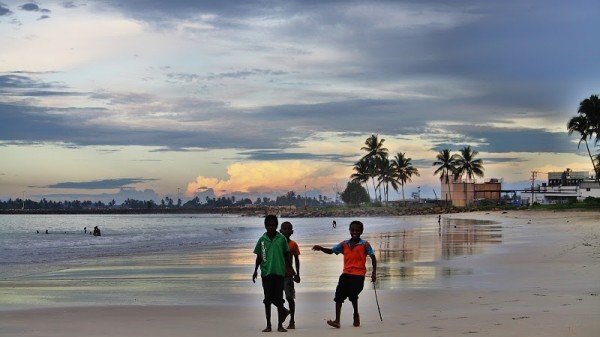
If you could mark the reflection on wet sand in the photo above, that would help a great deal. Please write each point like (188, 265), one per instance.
(420, 256)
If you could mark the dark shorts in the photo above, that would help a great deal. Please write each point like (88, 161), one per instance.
(349, 286)
(273, 289)
(289, 289)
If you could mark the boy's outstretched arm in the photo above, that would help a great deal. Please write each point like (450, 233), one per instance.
(256, 265)
(323, 249)
(374, 272)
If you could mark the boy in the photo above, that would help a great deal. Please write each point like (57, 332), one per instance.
(291, 276)
(352, 280)
(271, 251)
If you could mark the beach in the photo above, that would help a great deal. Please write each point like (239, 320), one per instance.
(539, 278)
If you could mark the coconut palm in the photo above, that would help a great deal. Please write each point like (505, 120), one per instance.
(361, 174)
(385, 175)
(403, 170)
(447, 167)
(375, 149)
(581, 125)
(590, 108)
(467, 164)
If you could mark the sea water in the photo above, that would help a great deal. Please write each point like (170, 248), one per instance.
(191, 258)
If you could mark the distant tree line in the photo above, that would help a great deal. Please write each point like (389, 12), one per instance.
(291, 198)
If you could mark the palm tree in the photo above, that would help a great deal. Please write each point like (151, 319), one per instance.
(590, 108)
(375, 149)
(447, 167)
(403, 170)
(385, 175)
(582, 125)
(361, 174)
(466, 164)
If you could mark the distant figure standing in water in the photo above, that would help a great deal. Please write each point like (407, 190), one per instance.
(97, 231)
(333, 225)
(84, 230)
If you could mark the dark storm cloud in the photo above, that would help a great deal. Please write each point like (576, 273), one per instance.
(30, 7)
(99, 184)
(4, 11)
(465, 62)
(15, 80)
(502, 140)
(276, 155)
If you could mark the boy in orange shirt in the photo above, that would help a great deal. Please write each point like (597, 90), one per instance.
(352, 280)
(291, 276)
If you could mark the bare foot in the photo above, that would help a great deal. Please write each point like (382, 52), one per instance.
(334, 324)
(281, 329)
(267, 329)
(284, 315)
(356, 320)
(292, 325)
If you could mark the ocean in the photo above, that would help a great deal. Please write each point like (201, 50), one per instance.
(190, 259)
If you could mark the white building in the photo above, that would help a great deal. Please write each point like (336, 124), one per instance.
(563, 187)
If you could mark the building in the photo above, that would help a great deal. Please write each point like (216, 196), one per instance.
(464, 193)
(566, 186)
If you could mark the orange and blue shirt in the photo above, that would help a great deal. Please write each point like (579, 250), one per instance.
(355, 258)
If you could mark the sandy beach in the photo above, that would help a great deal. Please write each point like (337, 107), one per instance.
(542, 280)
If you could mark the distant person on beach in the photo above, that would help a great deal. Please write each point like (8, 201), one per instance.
(97, 231)
(333, 224)
(352, 280)
(84, 230)
(271, 251)
(291, 275)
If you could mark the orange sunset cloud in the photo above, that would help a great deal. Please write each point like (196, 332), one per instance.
(271, 177)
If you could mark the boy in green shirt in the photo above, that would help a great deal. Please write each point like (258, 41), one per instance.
(271, 251)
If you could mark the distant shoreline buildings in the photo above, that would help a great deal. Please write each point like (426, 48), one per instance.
(561, 187)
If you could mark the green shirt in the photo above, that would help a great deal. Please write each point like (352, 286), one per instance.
(272, 254)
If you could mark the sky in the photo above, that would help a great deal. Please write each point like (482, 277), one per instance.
(104, 100)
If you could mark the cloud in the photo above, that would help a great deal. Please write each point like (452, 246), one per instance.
(30, 7)
(4, 11)
(119, 197)
(288, 81)
(262, 178)
(33, 7)
(100, 184)
(270, 155)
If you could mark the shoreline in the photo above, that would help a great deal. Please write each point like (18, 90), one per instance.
(542, 282)
(260, 211)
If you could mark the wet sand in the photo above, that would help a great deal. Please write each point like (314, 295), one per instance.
(536, 276)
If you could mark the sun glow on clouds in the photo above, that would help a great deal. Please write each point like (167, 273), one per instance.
(270, 177)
